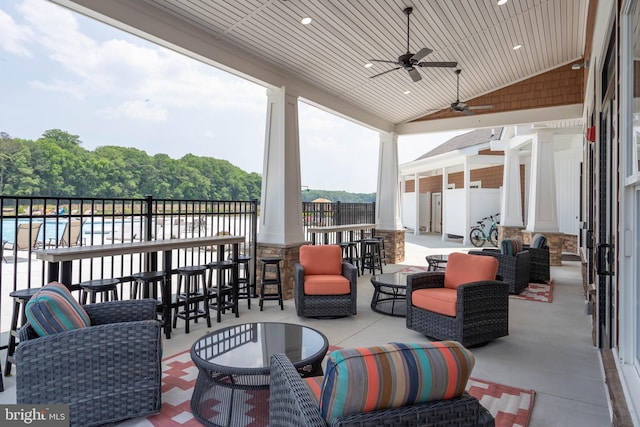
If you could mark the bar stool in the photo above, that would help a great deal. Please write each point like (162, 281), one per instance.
(371, 259)
(104, 287)
(383, 252)
(244, 281)
(220, 290)
(195, 292)
(145, 285)
(271, 264)
(351, 254)
(20, 299)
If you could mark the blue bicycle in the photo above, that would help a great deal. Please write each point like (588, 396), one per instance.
(479, 236)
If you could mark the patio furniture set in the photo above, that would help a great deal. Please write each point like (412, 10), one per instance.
(460, 307)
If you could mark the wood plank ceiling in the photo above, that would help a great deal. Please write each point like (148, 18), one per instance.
(331, 52)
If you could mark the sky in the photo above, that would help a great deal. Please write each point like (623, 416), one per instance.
(62, 70)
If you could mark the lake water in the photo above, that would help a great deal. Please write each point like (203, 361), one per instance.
(92, 226)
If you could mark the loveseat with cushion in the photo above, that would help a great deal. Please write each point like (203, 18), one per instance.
(325, 285)
(103, 360)
(394, 384)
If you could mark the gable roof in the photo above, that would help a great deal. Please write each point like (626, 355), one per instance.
(469, 139)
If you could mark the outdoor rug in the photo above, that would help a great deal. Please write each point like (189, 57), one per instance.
(510, 406)
(541, 292)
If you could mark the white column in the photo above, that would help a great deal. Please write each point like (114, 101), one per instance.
(416, 179)
(543, 215)
(388, 194)
(281, 199)
(511, 202)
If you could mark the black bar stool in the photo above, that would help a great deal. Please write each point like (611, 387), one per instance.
(383, 252)
(272, 265)
(104, 287)
(371, 259)
(244, 281)
(220, 289)
(351, 254)
(145, 285)
(20, 299)
(195, 293)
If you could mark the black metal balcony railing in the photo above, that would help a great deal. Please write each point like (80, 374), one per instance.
(52, 222)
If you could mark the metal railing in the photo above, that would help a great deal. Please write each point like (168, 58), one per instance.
(336, 213)
(31, 223)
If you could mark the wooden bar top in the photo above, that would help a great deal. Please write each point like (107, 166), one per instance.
(339, 228)
(98, 251)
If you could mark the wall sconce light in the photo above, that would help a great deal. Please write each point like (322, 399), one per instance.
(580, 65)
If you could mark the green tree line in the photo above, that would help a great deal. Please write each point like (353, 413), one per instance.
(55, 165)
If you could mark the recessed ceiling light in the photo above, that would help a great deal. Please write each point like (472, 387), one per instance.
(516, 47)
(368, 65)
(306, 20)
(407, 92)
(501, 2)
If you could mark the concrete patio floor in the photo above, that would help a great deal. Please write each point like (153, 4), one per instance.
(549, 347)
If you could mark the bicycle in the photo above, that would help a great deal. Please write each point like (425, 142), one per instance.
(479, 236)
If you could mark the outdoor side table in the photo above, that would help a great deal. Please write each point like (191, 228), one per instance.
(232, 388)
(437, 262)
(390, 294)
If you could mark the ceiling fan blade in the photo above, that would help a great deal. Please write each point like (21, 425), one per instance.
(385, 72)
(467, 112)
(480, 107)
(415, 75)
(421, 54)
(438, 64)
(384, 60)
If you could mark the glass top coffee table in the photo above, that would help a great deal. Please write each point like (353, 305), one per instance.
(390, 294)
(437, 262)
(233, 364)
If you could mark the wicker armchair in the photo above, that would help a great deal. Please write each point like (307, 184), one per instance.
(323, 264)
(107, 372)
(512, 269)
(481, 309)
(291, 404)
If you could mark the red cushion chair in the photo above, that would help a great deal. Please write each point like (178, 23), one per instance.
(464, 303)
(325, 285)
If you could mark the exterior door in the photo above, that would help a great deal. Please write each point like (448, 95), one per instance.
(606, 208)
(436, 212)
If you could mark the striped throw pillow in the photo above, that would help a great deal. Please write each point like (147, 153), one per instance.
(510, 246)
(393, 375)
(53, 309)
(539, 241)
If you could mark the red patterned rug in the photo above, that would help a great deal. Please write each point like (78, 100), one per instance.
(510, 406)
(541, 292)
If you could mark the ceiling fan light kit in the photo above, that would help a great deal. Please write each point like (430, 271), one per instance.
(411, 61)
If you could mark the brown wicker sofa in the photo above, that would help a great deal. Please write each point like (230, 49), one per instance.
(475, 309)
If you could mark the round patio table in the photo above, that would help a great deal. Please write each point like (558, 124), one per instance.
(232, 388)
(390, 294)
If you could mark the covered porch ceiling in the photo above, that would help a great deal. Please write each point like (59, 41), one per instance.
(324, 62)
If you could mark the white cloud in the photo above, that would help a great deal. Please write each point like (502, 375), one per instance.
(14, 37)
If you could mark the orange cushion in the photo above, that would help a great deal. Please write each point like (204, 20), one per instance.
(466, 268)
(324, 284)
(321, 259)
(438, 300)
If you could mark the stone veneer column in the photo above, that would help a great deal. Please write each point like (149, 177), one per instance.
(393, 245)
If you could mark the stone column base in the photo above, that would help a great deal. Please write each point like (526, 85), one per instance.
(289, 254)
(393, 244)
